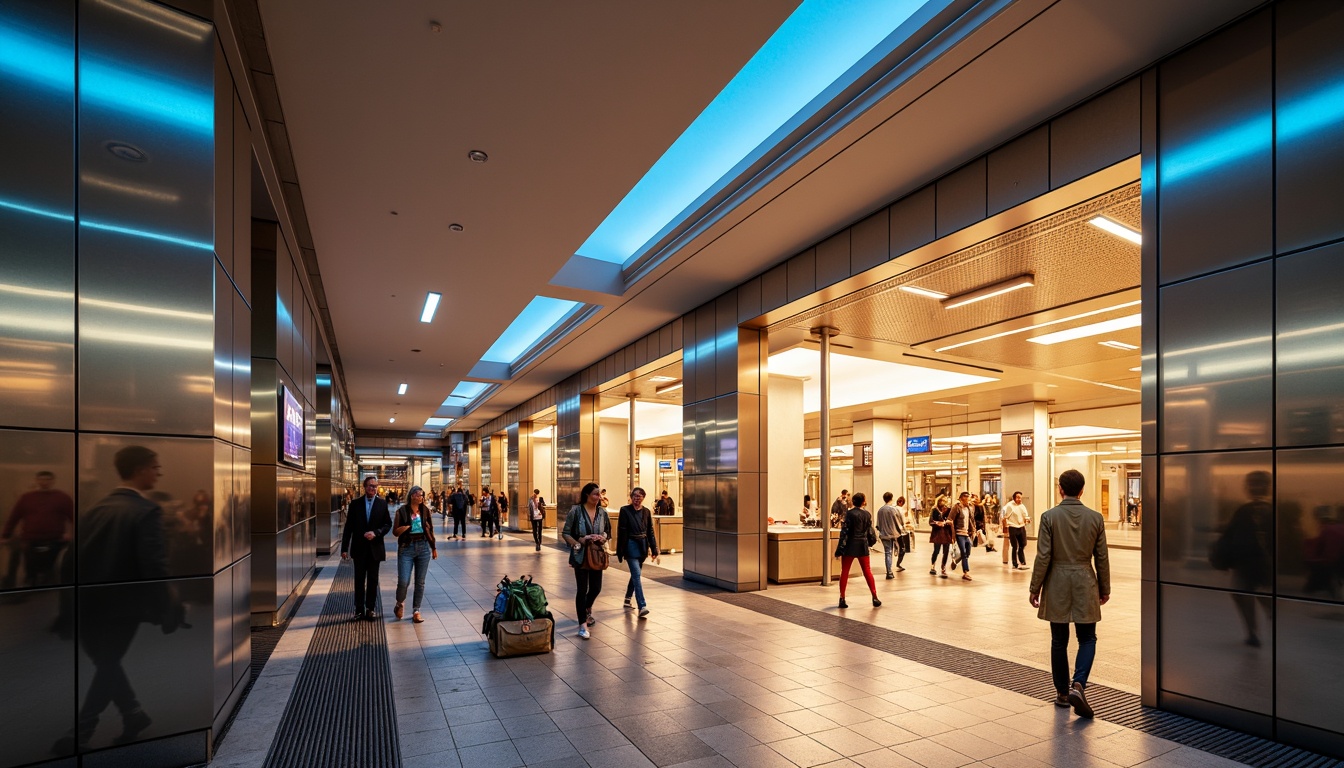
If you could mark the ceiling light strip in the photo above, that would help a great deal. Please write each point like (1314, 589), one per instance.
(431, 306)
(1038, 326)
(989, 291)
(1092, 329)
(1117, 229)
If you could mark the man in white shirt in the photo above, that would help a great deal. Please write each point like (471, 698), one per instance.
(1016, 517)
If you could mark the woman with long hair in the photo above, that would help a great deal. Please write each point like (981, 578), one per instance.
(587, 522)
(854, 534)
(635, 543)
(414, 529)
(941, 535)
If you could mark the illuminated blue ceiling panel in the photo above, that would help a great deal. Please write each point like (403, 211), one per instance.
(813, 52)
(541, 315)
(465, 392)
(438, 422)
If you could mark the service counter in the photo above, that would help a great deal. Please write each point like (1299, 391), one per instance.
(667, 529)
(794, 554)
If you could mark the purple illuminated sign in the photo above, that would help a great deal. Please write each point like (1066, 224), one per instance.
(291, 446)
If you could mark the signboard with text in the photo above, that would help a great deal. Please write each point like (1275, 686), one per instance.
(664, 463)
(919, 444)
(681, 464)
(291, 428)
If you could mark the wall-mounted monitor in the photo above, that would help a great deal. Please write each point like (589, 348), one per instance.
(291, 429)
(919, 444)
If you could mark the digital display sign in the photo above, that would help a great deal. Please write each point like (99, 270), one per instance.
(664, 463)
(917, 444)
(681, 464)
(291, 429)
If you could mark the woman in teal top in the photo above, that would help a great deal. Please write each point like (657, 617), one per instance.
(414, 530)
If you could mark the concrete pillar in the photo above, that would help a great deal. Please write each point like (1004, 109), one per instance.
(785, 479)
(887, 437)
(1030, 476)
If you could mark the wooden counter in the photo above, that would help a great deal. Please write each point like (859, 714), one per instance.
(794, 554)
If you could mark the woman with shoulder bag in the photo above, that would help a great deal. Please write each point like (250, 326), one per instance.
(856, 537)
(941, 535)
(414, 529)
(635, 542)
(587, 527)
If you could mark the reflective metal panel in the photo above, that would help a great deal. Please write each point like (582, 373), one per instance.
(1216, 361)
(705, 352)
(224, 365)
(177, 543)
(242, 618)
(1217, 520)
(1309, 675)
(146, 262)
(706, 436)
(1309, 358)
(691, 446)
(242, 510)
(242, 372)
(37, 230)
(725, 504)
(724, 431)
(1207, 648)
(146, 649)
(37, 508)
(265, 409)
(222, 644)
(1216, 163)
(961, 197)
(1309, 160)
(37, 651)
(1311, 523)
(224, 506)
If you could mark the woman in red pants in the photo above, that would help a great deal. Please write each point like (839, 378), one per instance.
(856, 536)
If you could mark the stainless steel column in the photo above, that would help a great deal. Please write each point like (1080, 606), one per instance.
(825, 333)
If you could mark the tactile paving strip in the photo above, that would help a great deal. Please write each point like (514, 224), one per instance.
(341, 712)
(1109, 704)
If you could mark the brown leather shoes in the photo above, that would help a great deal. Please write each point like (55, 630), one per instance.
(1079, 701)
(400, 610)
(417, 618)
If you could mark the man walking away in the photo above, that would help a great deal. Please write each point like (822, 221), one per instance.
(1071, 538)
(457, 504)
(1016, 518)
(889, 530)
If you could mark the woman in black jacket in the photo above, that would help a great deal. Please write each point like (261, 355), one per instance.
(635, 542)
(941, 535)
(587, 522)
(854, 535)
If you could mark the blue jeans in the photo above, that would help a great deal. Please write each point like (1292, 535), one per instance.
(888, 547)
(1059, 654)
(633, 552)
(964, 544)
(416, 554)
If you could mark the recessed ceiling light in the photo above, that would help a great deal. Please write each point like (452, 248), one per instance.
(401, 390)
(1136, 369)
(456, 227)
(1047, 323)
(946, 402)
(923, 292)
(990, 291)
(392, 420)
(477, 156)
(431, 304)
(1118, 345)
(1116, 228)
(662, 378)
(1091, 329)
(668, 388)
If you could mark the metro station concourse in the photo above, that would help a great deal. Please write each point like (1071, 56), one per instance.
(741, 254)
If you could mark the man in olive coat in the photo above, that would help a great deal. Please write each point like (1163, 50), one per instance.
(1071, 538)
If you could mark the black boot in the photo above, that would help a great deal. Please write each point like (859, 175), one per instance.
(843, 604)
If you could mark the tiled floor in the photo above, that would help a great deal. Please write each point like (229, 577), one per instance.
(703, 683)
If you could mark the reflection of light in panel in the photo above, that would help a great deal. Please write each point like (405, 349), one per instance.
(856, 380)
(149, 193)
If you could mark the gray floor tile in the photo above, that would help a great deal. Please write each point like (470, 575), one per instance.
(499, 754)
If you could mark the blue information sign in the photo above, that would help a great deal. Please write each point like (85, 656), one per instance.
(917, 444)
(664, 463)
(681, 464)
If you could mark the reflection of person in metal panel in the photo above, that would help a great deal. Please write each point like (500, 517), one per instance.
(44, 519)
(1245, 547)
(121, 539)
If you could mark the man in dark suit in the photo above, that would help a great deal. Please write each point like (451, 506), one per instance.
(366, 523)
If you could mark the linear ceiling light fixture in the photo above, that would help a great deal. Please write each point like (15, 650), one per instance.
(1091, 329)
(668, 388)
(1116, 228)
(923, 292)
(401, 390)
(989, 291)
(1118, 345)
(431, 306)
(1047, 323)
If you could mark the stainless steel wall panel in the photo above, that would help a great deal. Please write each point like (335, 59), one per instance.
(169, 673)
(265, 408)
(752, 349)
(775, 288)
(725, 556)
(224, 219)
(222, 644)
(870, 242)
(748, 433)
(1309, 358)
(242, 200)
(750, 514)
(242, 624)
(183, 493)
(1217, 520)
(36, 557)
(1310, 524)
(1216, 164)
(265, 489)
(1150, 540)
(284, 307)
(1205, 653)
(690, 443)
(1309, 674)
(749, 300)
(689, 360)
(706, 439)
(723, 433)
(961, 198)
(725, 509)
(225, 506)
(1099, 133)
(1150, 393)
(146, 235)
(725, 344)
(802, 274)
(705, 351)
(242, 508)
(37, 229)
(833, 259)
(37, 649)
(1309, 159)
(913, 220)
(1217, 360)
(264, 237)
(242, 371)
(1019, 170)
(223, 355)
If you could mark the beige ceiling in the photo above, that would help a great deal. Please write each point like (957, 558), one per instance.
(573, 102)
